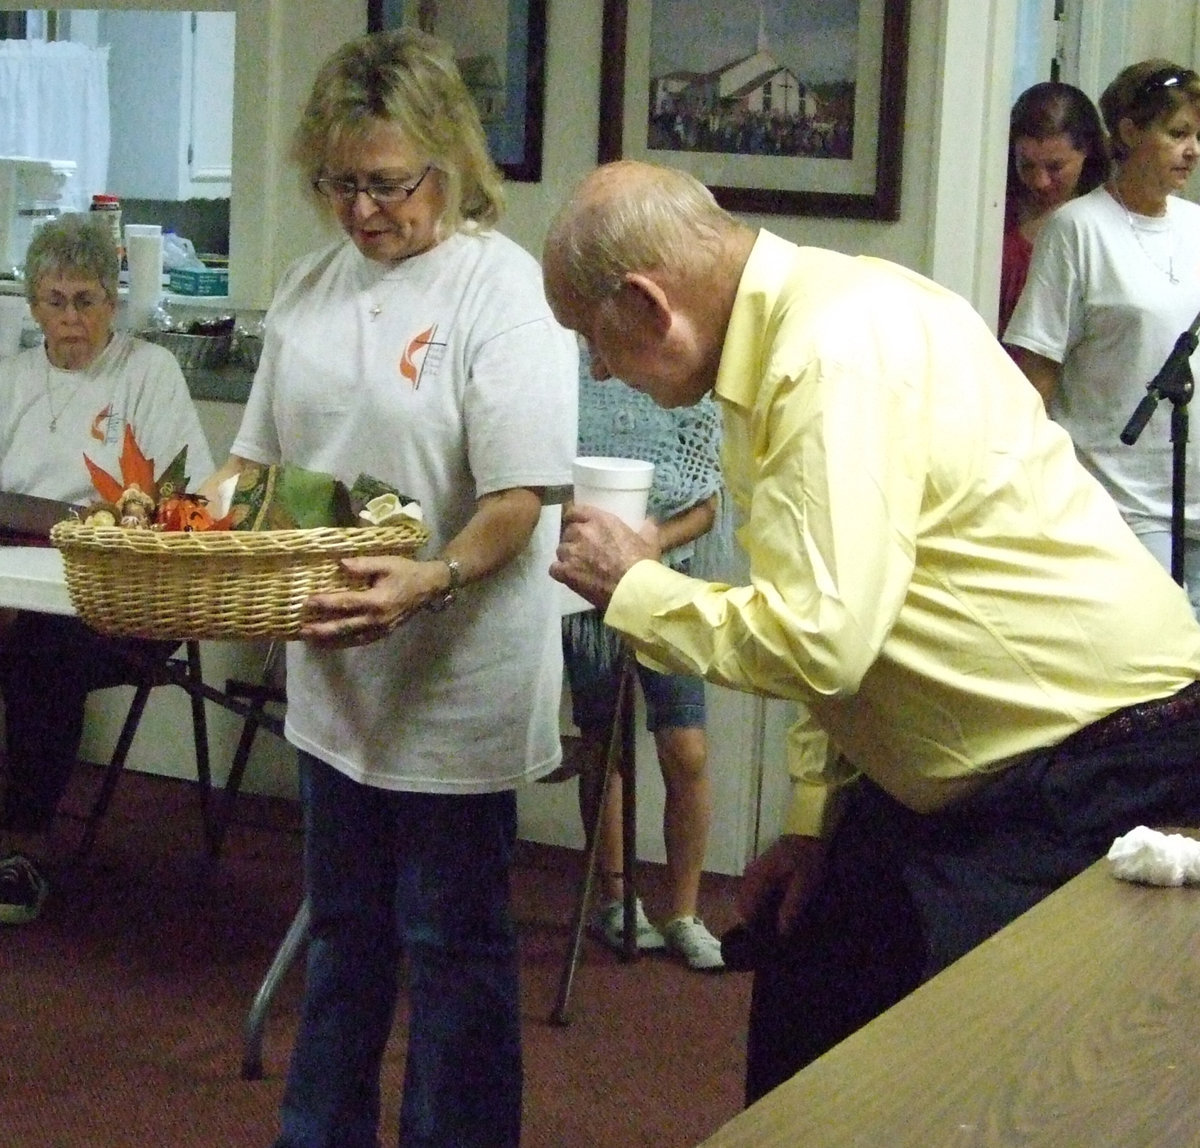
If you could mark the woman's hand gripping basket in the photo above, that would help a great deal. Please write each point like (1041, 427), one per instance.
(213, 584)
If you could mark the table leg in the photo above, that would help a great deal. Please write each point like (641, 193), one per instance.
(284, 956)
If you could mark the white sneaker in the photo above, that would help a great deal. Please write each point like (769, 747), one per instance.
(608, 925)
(688, 938)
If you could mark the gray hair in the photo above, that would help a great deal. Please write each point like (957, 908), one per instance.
(406, 78)
(72, 245)
(643, 218)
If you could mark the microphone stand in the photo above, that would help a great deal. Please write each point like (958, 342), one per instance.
(1174, 382)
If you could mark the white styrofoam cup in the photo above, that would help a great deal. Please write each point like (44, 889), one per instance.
(619, 485)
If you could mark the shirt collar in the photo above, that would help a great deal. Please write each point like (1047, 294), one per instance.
(740, 372)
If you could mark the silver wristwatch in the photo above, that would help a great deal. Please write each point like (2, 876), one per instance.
(438, 604)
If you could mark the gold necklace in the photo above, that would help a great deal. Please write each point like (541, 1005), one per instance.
(1169, 270)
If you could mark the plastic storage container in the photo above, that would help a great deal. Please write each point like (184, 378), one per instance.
(108, 208)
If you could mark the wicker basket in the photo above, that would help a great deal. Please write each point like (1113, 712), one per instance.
(193, 352)
(212, 584)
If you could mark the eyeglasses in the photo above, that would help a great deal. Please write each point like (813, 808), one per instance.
(1163, 79)
(84, 302)
(382, 192)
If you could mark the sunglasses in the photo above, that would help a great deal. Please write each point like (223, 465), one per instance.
(1163, 80)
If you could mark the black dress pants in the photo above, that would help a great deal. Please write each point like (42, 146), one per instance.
(48, 665)
(905, 894)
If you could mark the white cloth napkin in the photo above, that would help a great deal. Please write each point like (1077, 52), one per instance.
(222, 498)
(387, 510)
(1153, 858)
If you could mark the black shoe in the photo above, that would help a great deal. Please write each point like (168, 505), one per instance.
(746, 948)
(22, 890)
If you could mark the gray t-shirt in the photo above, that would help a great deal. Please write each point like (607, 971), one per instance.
(448, 377)
(131, 382)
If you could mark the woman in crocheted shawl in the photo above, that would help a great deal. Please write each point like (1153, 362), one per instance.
(683, 444)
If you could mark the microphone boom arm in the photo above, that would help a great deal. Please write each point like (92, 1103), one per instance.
(1173, 381)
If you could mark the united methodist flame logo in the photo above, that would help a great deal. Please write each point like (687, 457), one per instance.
(100, 424)
(413, 361)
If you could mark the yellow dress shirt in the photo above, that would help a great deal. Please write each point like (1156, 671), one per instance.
(932, 573)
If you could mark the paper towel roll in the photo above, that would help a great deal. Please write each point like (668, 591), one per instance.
(144, 253)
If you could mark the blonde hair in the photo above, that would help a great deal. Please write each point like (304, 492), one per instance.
(634, 217)
(1146, 92)
(408, 79)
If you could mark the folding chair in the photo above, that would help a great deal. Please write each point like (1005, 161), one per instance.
(145, 676)
(257, 695)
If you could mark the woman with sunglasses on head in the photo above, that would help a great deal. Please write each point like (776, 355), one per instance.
(417, 348)
(75, 393)
(1114, 282)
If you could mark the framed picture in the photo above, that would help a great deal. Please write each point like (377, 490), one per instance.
(500, 46)
(791, 107)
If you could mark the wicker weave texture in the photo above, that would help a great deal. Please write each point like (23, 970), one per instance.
(212, 584)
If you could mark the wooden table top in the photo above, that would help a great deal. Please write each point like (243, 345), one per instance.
(1076, 1026)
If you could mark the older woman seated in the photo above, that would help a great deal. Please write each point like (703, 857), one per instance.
(74, 394)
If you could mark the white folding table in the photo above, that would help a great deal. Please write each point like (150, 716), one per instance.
(32, 578)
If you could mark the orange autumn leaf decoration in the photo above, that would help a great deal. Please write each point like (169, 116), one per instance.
(173, 509)
(189, 512)
(136, 468)
(106, 486)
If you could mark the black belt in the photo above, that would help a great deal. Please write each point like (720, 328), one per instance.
(1133, 722)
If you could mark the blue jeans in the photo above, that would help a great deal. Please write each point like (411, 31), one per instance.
(423, 876)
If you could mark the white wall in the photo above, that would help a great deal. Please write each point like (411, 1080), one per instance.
(278, 80)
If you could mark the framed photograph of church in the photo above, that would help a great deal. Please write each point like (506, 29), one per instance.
(500, 46)
(790, 107)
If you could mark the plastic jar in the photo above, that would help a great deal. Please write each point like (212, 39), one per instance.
(108, 207)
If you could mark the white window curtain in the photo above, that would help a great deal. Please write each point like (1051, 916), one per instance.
(54, 105)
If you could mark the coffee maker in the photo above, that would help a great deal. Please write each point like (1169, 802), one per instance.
(32, 191)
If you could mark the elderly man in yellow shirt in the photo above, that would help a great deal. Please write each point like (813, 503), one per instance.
(956, 603)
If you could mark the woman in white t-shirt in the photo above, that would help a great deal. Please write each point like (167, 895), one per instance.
(74, 394)
(1114, 282)
(419, 349)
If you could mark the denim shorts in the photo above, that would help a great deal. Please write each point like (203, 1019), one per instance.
(591, 654)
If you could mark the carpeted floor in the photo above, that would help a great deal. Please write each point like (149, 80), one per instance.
(121, 1008)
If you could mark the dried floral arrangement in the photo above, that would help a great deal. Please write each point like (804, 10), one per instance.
(260, 498)
(141, 501)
